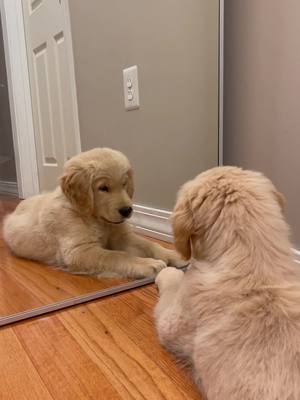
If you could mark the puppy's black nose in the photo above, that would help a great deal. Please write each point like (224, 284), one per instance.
(125, 211)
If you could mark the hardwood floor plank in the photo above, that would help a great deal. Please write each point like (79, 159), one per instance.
(88, 352)
(107, 350)
(67, 371)
(135, 318)
(19, 380)
(143, 367)
(14, 296)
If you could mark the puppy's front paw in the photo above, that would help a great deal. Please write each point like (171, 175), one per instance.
(168, 277)
(173, 259)
(151, 267)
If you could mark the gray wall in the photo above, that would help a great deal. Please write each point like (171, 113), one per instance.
(173, 136)
(7, 168)
(262, 93)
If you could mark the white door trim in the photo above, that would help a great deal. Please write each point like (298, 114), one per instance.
(20, 98)
(72, 74)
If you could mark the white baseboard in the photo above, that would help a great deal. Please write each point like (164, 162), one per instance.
(9, 188)
(152, 222)
(297, 255)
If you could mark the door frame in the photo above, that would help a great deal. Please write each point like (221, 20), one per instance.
(20, 96)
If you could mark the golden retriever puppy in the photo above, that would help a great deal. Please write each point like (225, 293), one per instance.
(234, 316)
(82, 226)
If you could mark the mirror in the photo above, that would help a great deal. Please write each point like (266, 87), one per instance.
(138, 77)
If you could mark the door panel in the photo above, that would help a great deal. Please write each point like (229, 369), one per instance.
(52, 88)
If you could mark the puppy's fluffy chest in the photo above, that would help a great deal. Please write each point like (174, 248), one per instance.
(106, 234)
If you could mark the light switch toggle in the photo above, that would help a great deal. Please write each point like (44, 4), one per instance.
(131, 88)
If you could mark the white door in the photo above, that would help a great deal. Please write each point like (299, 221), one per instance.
(52, 83)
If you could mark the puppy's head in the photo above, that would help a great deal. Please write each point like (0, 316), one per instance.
(218, 204)
(99, 182)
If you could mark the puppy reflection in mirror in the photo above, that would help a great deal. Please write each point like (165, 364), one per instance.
(234, 316)
(82, 225)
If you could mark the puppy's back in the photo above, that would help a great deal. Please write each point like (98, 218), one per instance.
(250, 349)
(24, 232)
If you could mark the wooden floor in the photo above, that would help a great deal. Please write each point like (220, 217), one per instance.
(106, 349)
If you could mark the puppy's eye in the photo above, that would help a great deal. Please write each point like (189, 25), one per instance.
(104, 188)
(124, 184)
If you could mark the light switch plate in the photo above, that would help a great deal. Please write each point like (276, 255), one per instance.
(131, 88)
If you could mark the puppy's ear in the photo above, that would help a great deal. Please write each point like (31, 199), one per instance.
(130, 186)
(76, 184)
(182, 223)
(279, 198)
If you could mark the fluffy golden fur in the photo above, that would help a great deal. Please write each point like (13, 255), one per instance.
(79, 225)
(234, 316)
